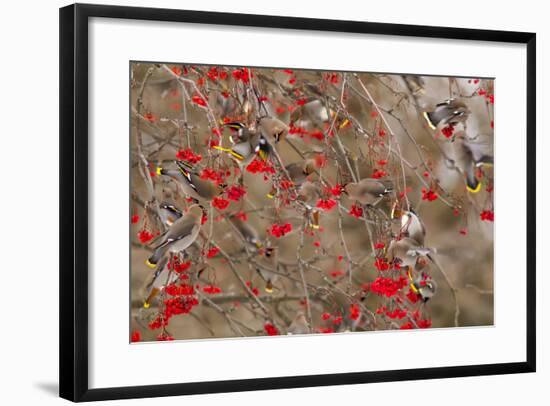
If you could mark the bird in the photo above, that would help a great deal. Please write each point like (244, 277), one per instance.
(423, 286)
(311, 111)
(157, 282)
(308, 193)
(367, 191)
(413, 227)
(299, 325)
(451, 111)
(191, 183)
(298, 172)
(179, 236)
(246, 145)
(248, 233)
(272, 128)
(406, 251)
(169, 213)
(468, 155)
(269, 261)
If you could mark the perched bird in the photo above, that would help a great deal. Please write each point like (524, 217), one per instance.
(272, 128)
(299, 325)
(451, 111)
(298, 172)
(367, 191)
(169, 213)
(191, 183)
(468, 155)
(308, 193)
(246, 144)
(406, 252)
(269, 261)
(248, 233)
(413, 227)
(160, 279)
(423, 286)
(179, 236)
(239, 132)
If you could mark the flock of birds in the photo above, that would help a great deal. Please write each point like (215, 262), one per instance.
(258, 141)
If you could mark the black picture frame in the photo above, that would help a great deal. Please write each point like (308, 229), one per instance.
(74, 201)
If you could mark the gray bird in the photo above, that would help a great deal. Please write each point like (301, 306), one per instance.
(413, 227)
(272, 128)
(159, 279)
(179, 236)
(298, 172)
(367, 191)
(299, 325)
(248, 233)
(191, 183)
(406, 252)
(423, 287)
(468, 155)
(451, 111)
(246, 145)
(169, 213)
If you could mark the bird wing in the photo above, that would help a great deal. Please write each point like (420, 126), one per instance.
(181, 228)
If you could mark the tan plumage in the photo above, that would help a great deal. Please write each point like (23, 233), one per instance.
(179, 236)
(413, 227)
(308, 193)
(450, 111)
(249, 233)
(191, 183)
(367, 191)
(272, 128)
(468, 155)
(169, 213)
(406, 251)
(299, 325)
(269, 262)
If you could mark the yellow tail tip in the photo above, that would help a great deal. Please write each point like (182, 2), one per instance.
(425, 114)
(413, 288)
(146, 305)
(315, 226)
(159, 171)
(270, 196)
(269, 289)
(474, 190)
(150, 264)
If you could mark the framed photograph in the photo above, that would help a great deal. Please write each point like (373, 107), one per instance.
(256, 202)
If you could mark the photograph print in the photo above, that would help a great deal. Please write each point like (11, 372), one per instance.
(275, 202)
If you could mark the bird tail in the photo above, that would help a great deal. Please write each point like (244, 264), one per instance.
(472, 183)
(269, 286)
(154, 259)
(147, 303)
(429, 120)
